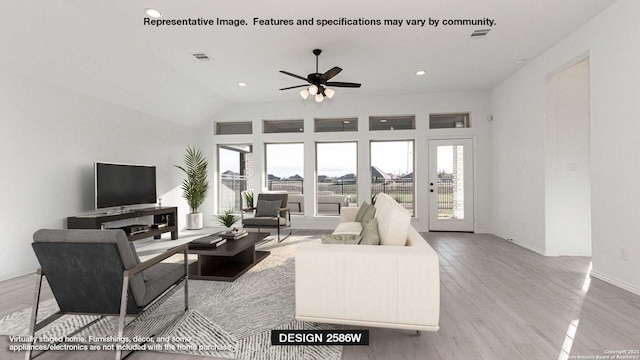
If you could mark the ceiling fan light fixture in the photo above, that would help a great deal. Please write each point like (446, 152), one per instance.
(329, 92)
(317, 83)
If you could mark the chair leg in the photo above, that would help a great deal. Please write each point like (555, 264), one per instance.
(123, 314)
(34, 313)
(281, 240)
(186, 281)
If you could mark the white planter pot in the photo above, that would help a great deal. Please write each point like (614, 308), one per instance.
(195, 221)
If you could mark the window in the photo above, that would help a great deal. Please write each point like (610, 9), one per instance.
(392, 171)
(229, 128)
(285, 172)
(235, 168)
(336, 125)
(446, 121)
(392, 122)
(336, 169)
(282, 126)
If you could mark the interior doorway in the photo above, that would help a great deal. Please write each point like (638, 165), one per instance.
(567, 159)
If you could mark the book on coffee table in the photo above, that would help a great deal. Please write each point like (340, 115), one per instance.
(218, 243)
(234, 235)
(209, 240)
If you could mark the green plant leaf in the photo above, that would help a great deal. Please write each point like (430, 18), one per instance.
(195, 186)
(227, 218)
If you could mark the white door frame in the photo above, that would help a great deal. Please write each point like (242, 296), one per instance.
(473, 140)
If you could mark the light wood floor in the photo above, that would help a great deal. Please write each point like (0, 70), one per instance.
(498, 301)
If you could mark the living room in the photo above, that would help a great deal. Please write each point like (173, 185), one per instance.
(84, 83)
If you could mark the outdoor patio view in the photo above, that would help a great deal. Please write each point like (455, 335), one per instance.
(392, 172)
(336, 169)
(236, 170)
(285, 170)
(450, 190)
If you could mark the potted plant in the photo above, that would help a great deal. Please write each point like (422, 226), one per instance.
(248, 198)
(227, 218)
(195, 185)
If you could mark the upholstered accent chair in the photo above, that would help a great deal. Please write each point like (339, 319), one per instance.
(271, 211)
(98, 272)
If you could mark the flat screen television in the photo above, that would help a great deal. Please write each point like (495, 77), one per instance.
(122, 184)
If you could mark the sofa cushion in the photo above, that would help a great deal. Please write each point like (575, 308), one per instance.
(348, 228)
(370, 234)
(393, 221)
(369, 214)
(341, 239)
(159, 277)
(361, 211)
(268, 208)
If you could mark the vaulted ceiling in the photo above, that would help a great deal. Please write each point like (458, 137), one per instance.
(103, 49)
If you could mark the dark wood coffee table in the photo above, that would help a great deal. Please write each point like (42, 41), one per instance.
(228, 261)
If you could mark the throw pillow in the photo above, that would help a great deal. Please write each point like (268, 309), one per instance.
(361, 211)
(369, 214)
(348, 239)
(268, 208)
(370, 234)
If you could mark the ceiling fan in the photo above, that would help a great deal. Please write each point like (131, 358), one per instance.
(319, 83)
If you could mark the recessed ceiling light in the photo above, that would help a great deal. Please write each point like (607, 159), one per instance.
(346, 122)
(421, 72)
(242, 84)
(383, 120)
(153, 13)
(522, 61)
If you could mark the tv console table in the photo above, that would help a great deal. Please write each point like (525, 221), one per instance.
(164, 215)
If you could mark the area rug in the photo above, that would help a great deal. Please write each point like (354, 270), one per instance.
(226, 320)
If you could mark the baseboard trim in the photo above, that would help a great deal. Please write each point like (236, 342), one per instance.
(526, 246)
(16, 274)
(535, 249)
(615, 282)
(583, 254)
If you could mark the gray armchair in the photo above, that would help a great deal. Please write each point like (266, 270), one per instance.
(271, 211)
(98, 272)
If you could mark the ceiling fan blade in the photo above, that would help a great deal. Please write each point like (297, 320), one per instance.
(293, 87)
(343, 84)
(294, 75)
(331, 73)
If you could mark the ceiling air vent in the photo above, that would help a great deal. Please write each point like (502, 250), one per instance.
(201, 56)
(479, 33)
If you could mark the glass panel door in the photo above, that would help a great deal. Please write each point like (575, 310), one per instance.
(451, 185)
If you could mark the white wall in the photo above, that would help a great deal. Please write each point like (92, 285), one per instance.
(362, 107)
(518, 141)
(567, 195)
(49, 141)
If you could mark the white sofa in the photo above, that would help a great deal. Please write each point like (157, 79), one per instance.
(367, 285)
